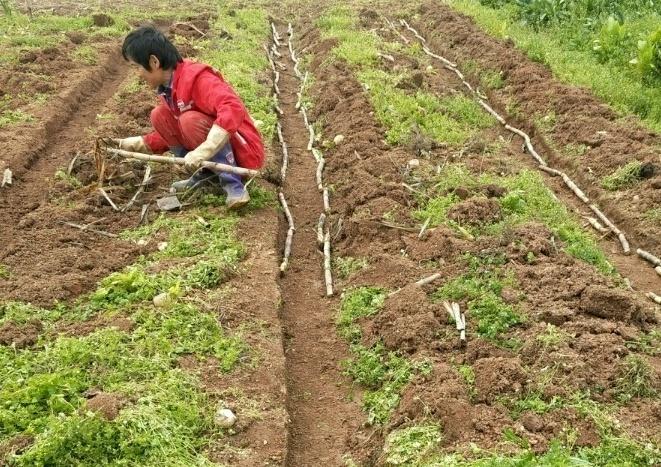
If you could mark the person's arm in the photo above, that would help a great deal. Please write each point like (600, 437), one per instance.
(215, 97)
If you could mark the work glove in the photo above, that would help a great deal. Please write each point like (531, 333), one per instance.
(133, 144)
(216, 140)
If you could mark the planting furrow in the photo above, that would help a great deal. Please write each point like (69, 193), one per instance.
(320, 418)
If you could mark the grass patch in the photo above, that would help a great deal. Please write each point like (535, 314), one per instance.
(12, 117)
(358, 48)
(384, 374)
(241, 58)
(4, 272)
(85, 54)
(567, 46)
(552, 337)
(624, 177)
(346, 266)
(358, 303)
(635, 379)
(444, 119)
(69, 179)
(411, 445)
(481, 287)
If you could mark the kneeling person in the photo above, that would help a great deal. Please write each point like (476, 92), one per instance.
(200, 117)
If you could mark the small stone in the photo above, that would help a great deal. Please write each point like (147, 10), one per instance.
(636, 198)
(414, 163)
(142, 242)
(338, 139)
(224, 418)
(161, 300)
(429, 69)
(162, 246)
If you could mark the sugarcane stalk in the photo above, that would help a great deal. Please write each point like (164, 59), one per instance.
(326, 198)
(654, 297)
(327, 264)
(320, 171)
(290, 232)
(320, 229)
(621, 237)
(180, 161)
(647, 256)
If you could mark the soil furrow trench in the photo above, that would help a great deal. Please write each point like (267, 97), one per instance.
(320, 417)
(50, 261)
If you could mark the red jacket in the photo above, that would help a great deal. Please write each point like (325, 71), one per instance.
(196, 86)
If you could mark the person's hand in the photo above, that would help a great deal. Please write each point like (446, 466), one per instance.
(133, 144)
(216, 139)
(193, 160)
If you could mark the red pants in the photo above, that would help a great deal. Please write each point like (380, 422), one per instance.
(189, 131)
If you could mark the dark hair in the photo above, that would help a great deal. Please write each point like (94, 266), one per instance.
(146, 41)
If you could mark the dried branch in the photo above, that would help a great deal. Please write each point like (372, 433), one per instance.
(424, 227)
(320, 229)
(614, 229)
(110, 201)
(654, 297)
(320, 171)
(326, 197)
(327, 264)
(290, 232)
(86, 228)
(141, 188)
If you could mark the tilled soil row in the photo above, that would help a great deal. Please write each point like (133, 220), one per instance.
(320, 417)
(557, 289)
(610, 141)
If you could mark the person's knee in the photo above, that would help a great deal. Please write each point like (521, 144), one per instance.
(195, 127)
(160, 117)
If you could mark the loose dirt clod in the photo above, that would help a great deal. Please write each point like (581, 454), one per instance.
(102, 20)
(106, 404)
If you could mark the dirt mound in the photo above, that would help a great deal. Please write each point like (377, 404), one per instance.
(608, 303)
(14, 445)
(102, 20)
(20, 336)
(106, 404)
(84, 328)
(497, 376)
(439, 243)
(408, 322)
(476, 211)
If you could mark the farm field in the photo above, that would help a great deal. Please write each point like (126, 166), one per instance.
(450, 257)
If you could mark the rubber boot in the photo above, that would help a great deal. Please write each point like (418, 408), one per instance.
(232, 184)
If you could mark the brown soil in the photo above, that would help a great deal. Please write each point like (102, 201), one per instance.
(321, 418)
(20, 336)
(14, 445)
(105, 404)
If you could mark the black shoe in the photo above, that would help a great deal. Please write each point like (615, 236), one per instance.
(200, 178)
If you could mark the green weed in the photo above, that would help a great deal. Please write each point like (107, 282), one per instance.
(527, 200)
(446, 119)
(649, 343)
(552, 337)
(356, 47)
(481, 288)
(85, 54)
(11, 117)
(634, 379)
(410, 446)
(4, 272)
(623, 177)
(358, 303)
(384, 374)
(70, 180)
(346, 266)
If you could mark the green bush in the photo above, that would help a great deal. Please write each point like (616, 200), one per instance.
(648, 61)
(543, 12)
(613, 42)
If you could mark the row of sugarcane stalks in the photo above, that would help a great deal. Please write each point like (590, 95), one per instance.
(323, 231)
(601, 223)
